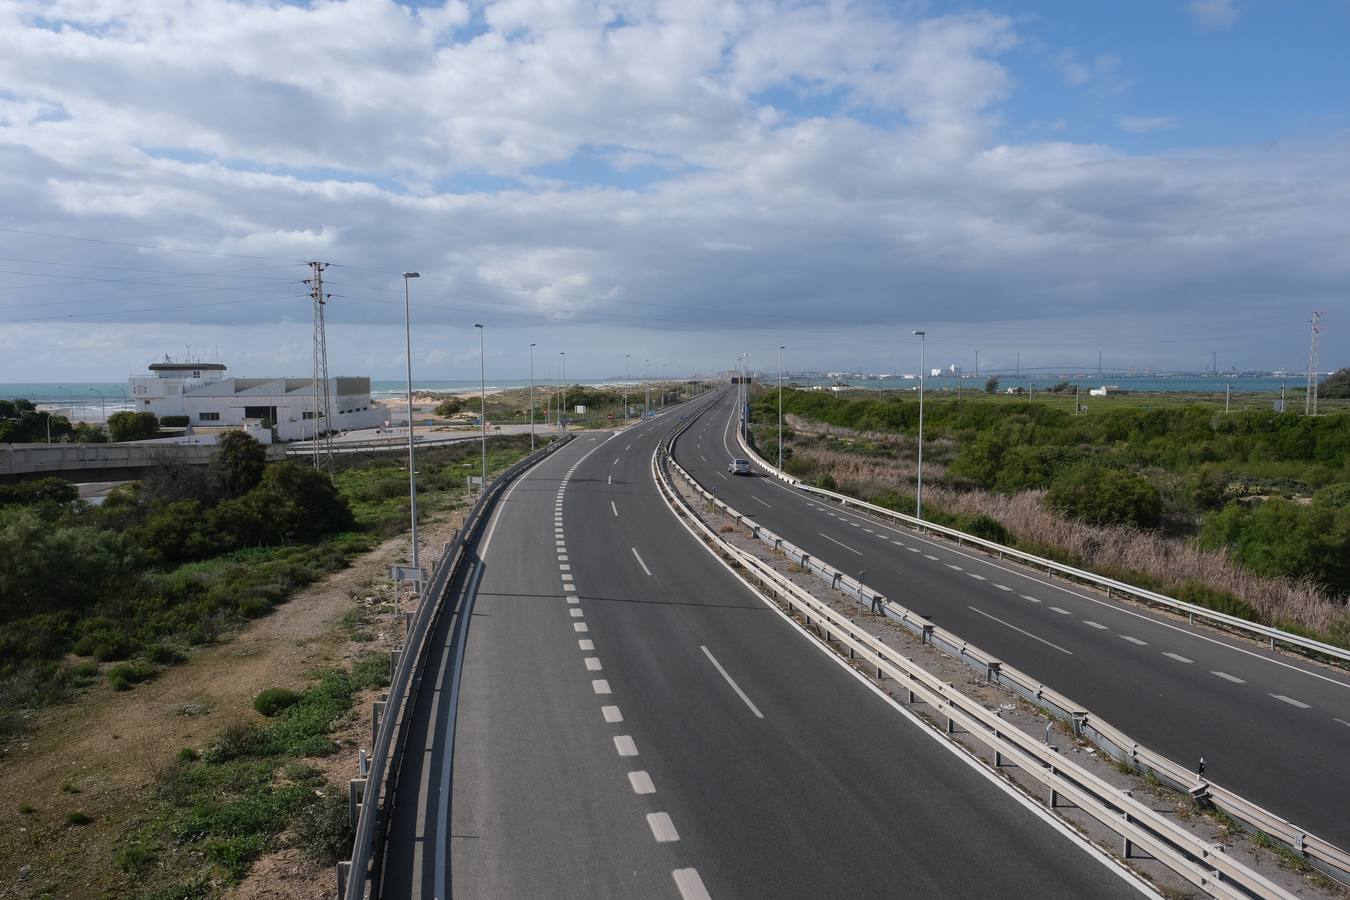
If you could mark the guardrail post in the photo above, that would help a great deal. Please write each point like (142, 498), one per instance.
(344, 873)
(1079, 718)
(356, 793)
(376, 713)
(362, 763)
(992, 669)
(394, 656)
(927, 636)
(834, 582)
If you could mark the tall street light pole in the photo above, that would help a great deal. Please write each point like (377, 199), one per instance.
(625, 387)
(647, 390)
(482, 401)
(71, 396)
(923, 374)
(562, 411)
(412, 460)
(104, 403)
(781, 348)
(532, 398)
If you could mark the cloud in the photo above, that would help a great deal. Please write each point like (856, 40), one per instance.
(1145, 124)
(1077, 72)
(1213, 14)
(682, 180)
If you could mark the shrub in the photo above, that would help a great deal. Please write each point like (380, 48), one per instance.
(135, 859)
(1103, 496)
(77, 817)
(1215, 599)
(123, 675)
(238, 463)
(989, 528)
(41, 490)
(133, 426)
(174, 421)
(236, 741)
(27, 808)
(447, 408)
(274, 700)
(187, 755)
(322, 832)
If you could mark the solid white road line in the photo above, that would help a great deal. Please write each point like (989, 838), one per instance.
(1178, 657)
(690, 885)
(1343, 722)
(662, 828)
(1134, 640)
(840, 543)
(1291, 701)
(640, 562)
(601, 686)
(625, 745)
(1015, 628)
(734, 686)
(1233, 678)
(641, 782)
(611, 714)
(615, 508)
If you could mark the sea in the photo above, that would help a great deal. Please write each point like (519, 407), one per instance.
(83, 398)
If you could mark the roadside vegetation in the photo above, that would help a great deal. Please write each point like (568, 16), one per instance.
(1247, 512)
(123, 589)
(604, 405)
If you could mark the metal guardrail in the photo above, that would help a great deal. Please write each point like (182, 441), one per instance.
(1326, 856)
(1205, 865)
(1110, 585)
(369, 790)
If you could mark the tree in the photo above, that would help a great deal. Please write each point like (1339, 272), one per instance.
(1278, 537)
(238, 463)
(447, 408)
(132, 426)
(1105, 496)
(1337, 385)
(991, 386)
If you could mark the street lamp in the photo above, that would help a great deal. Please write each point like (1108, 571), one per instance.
(104, 402)
(562, 410)
(532, 398)
(482, 400)
(412, 461)
(647, 390)
(923, 374)
(71, 396)
(625, 387)
(781, 348)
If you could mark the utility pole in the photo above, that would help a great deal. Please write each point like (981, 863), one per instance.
(780, 407)
(1310, 398)
(1227, 396)
(1099, 364)
(1019, 363)
(1214, 362)
(562, 410)
(482, 401)
(412, 461)
(323, 401)
(977, 364)
(923, 375)
(647, 390)
(625, 387)
(532, 398)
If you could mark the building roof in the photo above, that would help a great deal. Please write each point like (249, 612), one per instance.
(191, 367)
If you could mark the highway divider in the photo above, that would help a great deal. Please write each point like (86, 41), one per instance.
(1322, 854)
(370, 790)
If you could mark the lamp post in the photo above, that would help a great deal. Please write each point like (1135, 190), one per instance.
(647, 390)
(71, 396)
(625, 387)
(923, 374)
(412, 461)
(104, 402)
(562, 411)
(781, 348)
(532, 398)
(482, 401)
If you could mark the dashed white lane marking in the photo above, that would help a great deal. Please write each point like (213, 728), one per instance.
(615, 508)
(954, 567)
(580, 626)
(840, 543)
(1226, 677)
(560, 543)
(734, 686)
(759, 501)
(611, 714)
(1134, 640)
(564, 567)
(641, 782)
(723, 475)
(976, 577)
(1022, 631)
(1178, 657)
(1097, 625)
(624, 744)
(1291, 701)
(1343, 722)
(601, 686)
(915, 550)
(1062, 612)
(1002, 587)
(562, 557)
(569, 587)
(1029, 597)
(869, 531)
(930, 556)
(593, 664)
(573, 599)
(609, 479)
(662, 828)
(640, 562)
(565, 576)
(576, 613)
(702, 457)
(586, 644)
(897, 543)
(690, 885)
(629, 447)
(855, 524)
(616, 461)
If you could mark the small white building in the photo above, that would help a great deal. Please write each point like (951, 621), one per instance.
(203, 393)
(1104, 390)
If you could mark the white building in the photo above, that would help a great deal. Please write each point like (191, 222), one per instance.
(201, 392)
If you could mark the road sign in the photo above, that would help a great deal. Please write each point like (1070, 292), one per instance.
(408, 573)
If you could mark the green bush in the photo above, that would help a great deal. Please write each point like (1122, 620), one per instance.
(174, 421)
(134, 859)
(447, 408)
(123, 675)
(1279, 537)
(1215, 599)
(40, 490)
(322, 831)
(1103, 496)
(273, 700)
(133, 426)
(27, 808)
(77, 817)
(989, 528)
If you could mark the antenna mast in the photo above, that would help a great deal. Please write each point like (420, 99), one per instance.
(323, 401)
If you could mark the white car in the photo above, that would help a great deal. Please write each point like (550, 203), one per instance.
(739, 467)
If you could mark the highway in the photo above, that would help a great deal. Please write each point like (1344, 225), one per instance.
(1273, 727)
(634, 722)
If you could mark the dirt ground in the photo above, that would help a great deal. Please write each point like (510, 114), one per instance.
(99, 754)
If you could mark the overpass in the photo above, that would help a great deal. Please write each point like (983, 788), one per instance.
(102, 462)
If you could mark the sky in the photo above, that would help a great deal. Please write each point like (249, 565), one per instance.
(670, 185)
